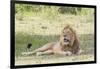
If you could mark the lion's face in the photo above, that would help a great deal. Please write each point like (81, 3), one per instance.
(66, 36)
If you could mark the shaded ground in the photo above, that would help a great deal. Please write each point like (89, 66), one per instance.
(86, 41)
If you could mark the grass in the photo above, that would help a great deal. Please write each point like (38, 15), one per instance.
(86, 41)
(47, 59)
(40, 29)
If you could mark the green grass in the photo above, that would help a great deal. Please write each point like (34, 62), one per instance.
(40, 29)
(37, 41)
(86, 42)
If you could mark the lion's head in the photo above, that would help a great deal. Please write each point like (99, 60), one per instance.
(67, 36)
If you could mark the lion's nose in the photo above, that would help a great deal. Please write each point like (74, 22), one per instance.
(66, 40)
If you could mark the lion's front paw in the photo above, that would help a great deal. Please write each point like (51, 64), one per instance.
(38, 53)
(68, 53)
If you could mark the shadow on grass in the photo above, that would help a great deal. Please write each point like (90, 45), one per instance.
(21, 41)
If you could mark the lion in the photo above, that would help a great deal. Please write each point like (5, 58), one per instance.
(67, 44)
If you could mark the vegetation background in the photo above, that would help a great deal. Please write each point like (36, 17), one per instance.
(40, 24)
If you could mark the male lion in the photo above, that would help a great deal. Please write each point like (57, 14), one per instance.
(68, 44)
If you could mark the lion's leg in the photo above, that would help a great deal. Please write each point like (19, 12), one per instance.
(44, 53)
(65, 53)
(41, 49)
(60, 52)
